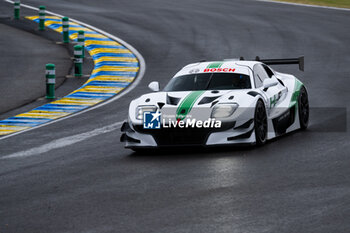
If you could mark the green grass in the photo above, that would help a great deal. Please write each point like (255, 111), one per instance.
(333, 3)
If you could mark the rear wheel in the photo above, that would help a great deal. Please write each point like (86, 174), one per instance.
(303, 107)
(260, 123)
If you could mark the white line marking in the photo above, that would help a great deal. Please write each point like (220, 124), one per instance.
(63, 142)
(117, 96)
(305, 5)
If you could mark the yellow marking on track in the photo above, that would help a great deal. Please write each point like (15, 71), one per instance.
(77, 101)
(75, 35)
(108, 50)
(4, 132)
(95, 35)
(59, 29)
(13, 127)
(98, 42)
(41, 115)
(112, 78)
(49, 112)
(101, 89)
(52, 17)
(32, 17)
(126, 59)
(115, 68)
(73, 24)
(49, 22)
(36, 116)
(46, 17)
(80, 28)
(7, 129)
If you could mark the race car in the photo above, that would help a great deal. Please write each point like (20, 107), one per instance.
(215, 103)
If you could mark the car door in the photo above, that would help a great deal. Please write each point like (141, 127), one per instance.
(273, 94)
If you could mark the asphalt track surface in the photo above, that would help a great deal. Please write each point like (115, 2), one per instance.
(23, 81)
(68, 177)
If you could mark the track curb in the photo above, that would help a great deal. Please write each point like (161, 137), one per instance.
(118, 69)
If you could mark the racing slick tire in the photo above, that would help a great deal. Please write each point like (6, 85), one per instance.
(260, 123)
(303, 108)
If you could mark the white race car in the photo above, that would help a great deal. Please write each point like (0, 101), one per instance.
(219, 103)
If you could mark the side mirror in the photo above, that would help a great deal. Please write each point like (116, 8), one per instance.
(154, 86)
(269, 82)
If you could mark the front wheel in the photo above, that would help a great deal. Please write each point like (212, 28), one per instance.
(260, 123)
(303, 107)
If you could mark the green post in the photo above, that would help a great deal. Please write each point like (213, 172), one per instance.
(81, 41)
(78, 61)
(65, 29)
(17, 6)
(50, 81)
(42, 12)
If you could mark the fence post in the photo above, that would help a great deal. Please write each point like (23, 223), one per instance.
(42, 13)
(81, 41)
(78, 61)
(65, 29)
(50, 81)
(17, 7)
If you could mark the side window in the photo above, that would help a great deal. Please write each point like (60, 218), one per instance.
(259, 75)
(268, 71)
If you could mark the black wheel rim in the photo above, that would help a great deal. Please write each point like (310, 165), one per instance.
(261, 122)
(304, 108)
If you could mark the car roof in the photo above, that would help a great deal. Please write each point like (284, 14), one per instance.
(226, 66)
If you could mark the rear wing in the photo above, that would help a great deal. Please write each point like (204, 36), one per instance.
(284, 61)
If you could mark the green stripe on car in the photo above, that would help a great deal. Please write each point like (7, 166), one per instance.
(187, 104)
(215, 65)
(295, 95)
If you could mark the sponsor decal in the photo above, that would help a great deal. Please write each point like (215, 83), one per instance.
(192, 123)
(274, 99)
(219, 70)
(153, 120)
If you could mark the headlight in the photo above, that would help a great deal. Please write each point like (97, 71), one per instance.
(223, 110)
(145, 108)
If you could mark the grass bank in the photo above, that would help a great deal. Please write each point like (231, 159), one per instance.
(333, 3)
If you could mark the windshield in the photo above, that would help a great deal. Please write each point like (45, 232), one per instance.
(209, 81)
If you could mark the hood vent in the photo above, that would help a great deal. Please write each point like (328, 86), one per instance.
(253, 93)
(172, 100)
(160, 105)
(207, 99)
(213, 103)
